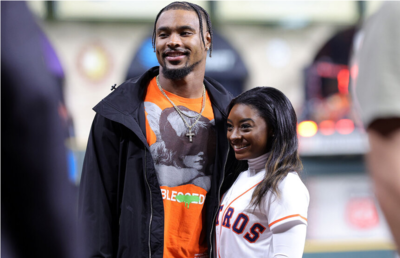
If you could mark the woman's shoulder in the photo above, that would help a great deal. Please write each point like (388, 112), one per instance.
(292, 178)
(292, 185)
(291, 204)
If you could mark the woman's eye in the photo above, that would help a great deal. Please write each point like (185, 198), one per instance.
(245, 126)
(229, 126)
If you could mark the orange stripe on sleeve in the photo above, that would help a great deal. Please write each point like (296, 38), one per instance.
(287, 217)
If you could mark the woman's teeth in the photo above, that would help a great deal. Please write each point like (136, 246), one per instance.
(239, 147)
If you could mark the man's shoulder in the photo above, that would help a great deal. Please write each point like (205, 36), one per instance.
(136, 83)
(130, 93)
(218, 86)
(219, 95)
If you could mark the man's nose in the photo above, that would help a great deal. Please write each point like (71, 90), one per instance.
(174, 41)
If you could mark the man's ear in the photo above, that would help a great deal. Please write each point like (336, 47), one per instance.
(207, 38)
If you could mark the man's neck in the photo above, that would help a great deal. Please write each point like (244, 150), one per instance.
(189, 87)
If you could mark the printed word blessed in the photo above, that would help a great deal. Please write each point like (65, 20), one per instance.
(187, 198)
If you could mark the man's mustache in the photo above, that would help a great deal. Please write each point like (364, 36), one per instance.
(169, 51)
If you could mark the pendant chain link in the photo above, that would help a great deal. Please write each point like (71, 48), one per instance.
(180, 112)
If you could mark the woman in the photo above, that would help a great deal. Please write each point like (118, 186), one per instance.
(264, 212)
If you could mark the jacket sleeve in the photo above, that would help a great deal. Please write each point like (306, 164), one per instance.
(98, 213)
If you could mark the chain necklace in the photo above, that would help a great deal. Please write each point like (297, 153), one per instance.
(180, 112)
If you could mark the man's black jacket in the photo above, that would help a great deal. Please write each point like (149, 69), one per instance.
(120, 203)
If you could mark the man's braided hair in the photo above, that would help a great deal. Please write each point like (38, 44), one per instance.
(201, 13)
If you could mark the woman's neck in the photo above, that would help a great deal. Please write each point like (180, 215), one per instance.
(257, 164)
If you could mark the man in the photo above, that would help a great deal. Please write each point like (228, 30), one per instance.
(150, 184)
(377, 88)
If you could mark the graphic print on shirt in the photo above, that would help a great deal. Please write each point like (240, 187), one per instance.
(183, 168)
(177, 160)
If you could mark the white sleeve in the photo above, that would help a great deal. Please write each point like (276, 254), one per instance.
(289, 242)
(292, 204)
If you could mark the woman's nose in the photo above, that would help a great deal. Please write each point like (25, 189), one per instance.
(234, 135)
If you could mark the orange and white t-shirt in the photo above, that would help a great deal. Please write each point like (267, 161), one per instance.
(183, 168)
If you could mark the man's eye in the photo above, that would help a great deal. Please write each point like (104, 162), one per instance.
(185, 33)
(162, 35)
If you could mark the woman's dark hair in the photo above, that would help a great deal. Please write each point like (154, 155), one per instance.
(277, 111)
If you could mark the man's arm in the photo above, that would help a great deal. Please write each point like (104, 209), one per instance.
(377, 89)
(98, 213)
(384, 165)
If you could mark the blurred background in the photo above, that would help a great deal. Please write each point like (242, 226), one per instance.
(302, 48)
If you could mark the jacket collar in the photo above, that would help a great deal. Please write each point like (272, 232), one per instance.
(124, 104)
(128, 96)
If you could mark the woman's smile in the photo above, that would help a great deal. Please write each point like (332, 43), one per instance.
(239, 148)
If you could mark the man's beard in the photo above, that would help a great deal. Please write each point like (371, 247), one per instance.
(178, 74)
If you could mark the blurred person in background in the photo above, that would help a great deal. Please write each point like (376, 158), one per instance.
(38, 200)
(376, 80)
(150, 184)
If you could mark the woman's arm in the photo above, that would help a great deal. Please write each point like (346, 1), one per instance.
(288, 240)
(287, 215)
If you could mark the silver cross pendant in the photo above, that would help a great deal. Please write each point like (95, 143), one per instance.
(190, 134)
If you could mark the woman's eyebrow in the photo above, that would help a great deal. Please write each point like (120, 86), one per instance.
(246, 119)
(243, 120)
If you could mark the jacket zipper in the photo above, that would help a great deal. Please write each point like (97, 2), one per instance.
(151, 201)
(219, 200)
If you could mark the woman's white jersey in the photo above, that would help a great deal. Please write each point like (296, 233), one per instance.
(242, 231)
